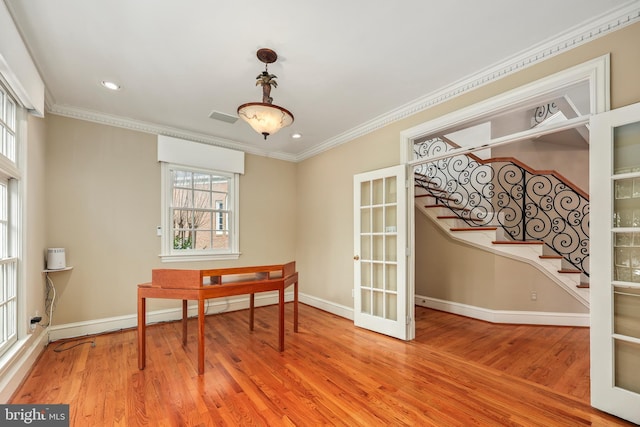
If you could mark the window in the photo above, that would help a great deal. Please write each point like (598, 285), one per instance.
(201, 214)
(8, 201)
(200, 203)
(197, 199)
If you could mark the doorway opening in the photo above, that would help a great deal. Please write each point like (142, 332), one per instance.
(543, 125)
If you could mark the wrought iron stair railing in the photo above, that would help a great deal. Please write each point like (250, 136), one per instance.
(527, 204)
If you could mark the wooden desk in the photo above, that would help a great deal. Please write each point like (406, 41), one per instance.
(201, 285)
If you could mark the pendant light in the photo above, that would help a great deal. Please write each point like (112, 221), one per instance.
(265, 117)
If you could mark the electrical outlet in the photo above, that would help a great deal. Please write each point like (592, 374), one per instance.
(534, 296)
(34, 322)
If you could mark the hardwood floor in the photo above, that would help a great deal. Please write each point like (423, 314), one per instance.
(458, 372)
(556, 357)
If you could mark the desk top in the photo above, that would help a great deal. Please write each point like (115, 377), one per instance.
(199, 279)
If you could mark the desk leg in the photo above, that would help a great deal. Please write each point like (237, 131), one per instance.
(185, 316)
(295, 307)
(251, 307)
(200, 336)
(142, 325)
(281, 318)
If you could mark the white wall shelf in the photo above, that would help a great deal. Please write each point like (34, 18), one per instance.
(57, 269)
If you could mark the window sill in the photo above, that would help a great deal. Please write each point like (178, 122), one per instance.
(198, 257)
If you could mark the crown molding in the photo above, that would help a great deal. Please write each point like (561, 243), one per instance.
(156, 129)
(625, 15)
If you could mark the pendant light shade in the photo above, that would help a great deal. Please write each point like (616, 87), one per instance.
(265, 117)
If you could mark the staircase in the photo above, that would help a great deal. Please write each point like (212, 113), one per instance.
(504, 207)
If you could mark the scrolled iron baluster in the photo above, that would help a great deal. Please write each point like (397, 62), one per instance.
(502, 193)
(543, 112)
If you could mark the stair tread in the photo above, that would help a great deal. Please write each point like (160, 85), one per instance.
(439, 197)
(517, 242)
(569, 271)
(448, 207)
(583, 286)
(457, 217)
(425, 182)
(473, 228)
(551, 257)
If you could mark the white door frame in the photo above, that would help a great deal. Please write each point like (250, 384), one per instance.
(595, 72)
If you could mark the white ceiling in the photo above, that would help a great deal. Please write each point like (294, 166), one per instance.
(342, 64)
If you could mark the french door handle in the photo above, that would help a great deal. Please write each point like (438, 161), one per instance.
(356, 257)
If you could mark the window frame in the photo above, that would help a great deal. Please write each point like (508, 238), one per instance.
(10, 176)
(168, 253)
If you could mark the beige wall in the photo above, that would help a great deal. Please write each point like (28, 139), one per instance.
(35, 214)
(325, 205)
(103, 204)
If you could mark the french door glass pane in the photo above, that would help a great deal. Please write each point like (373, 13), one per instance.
(626, 148)
(626, 257)
(626, 320)
(627, 361)
(378, 304)
(378, 248)
(365, 220)
(378, 276)
(391, 277)
(390, 249)
(626, 204)
(365, 301)
(378, 191)
(391, 195)
(391, 305)
(365, 193)
(365, 274)
(365, 247)
(378, 220)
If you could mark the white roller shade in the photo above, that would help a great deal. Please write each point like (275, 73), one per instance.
(195, 154)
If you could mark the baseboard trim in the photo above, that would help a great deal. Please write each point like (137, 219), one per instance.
(110, 324)
(92, 327)
(331, 307)
(505, 316)
(14, 367)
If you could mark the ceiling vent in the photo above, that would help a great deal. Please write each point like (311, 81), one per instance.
(223, 117)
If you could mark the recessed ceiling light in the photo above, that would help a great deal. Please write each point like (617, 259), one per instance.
(296, 135)
(110, 85)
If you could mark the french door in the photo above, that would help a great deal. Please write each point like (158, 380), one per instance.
(615, 262)
(380, 260)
